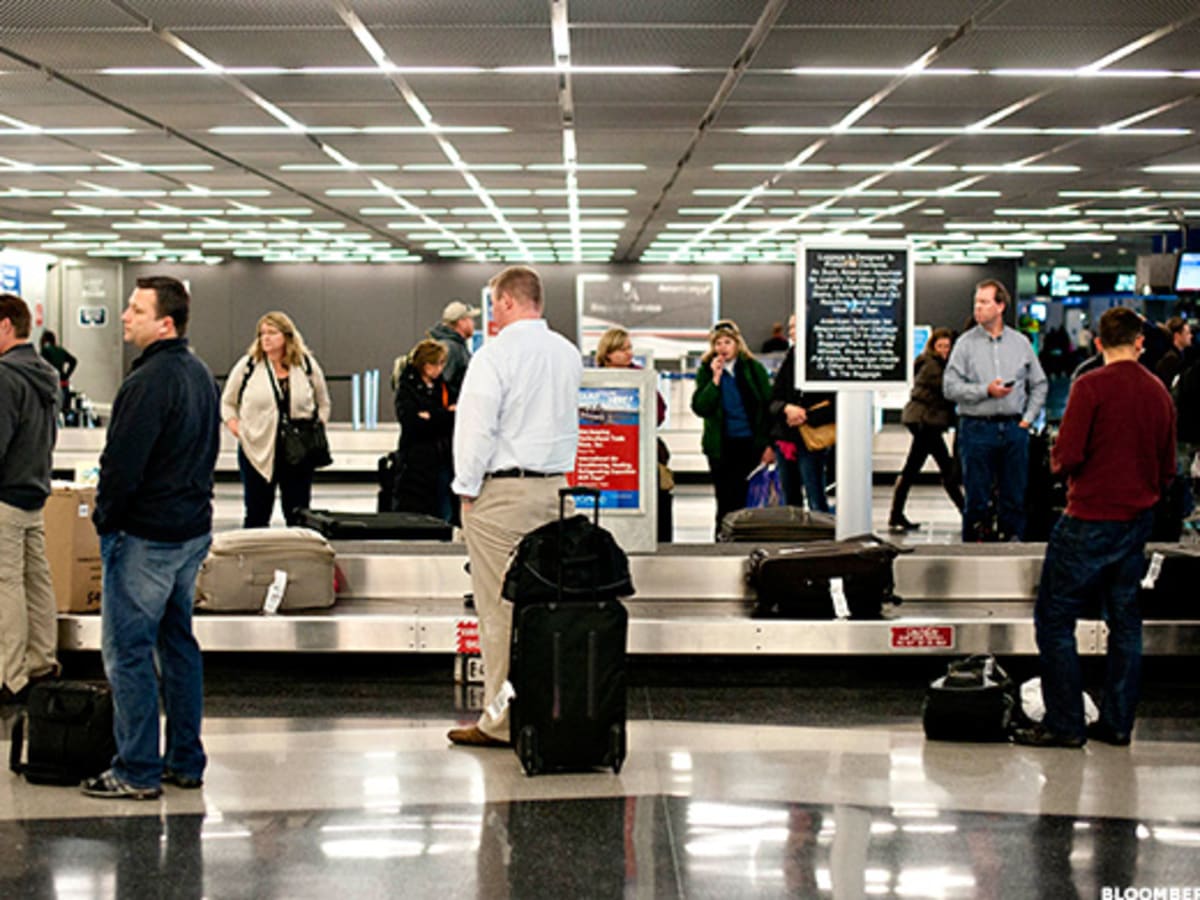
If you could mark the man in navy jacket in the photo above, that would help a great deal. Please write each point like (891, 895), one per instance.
(154, 517)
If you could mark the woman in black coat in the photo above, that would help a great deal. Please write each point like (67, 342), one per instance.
(927, 415)
(425, 410)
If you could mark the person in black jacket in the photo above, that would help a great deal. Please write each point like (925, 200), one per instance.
(425, 411)
(927, 415)
(64, 364)
(154, 517)
(801, 470)
(28, 401)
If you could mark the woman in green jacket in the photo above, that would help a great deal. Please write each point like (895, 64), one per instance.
(732, 393)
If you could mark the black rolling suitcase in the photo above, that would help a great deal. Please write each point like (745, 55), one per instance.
(356, 526)
(1169, 589)
(851, 578)
(567, 657)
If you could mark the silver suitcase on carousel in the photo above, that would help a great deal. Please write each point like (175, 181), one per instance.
(242, 566)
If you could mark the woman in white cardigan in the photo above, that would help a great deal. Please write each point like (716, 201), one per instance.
(276, 373)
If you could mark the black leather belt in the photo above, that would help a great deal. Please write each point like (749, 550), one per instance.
(522, 473)
(995, 418)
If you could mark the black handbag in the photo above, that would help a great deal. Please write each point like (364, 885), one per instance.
(68, 729)
(302, 443)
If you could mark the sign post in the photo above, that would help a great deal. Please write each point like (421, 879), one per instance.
(854, 324)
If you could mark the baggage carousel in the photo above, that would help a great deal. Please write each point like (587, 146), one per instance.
(691, 600)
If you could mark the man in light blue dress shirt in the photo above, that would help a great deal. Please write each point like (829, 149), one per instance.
(515, 435)
(995, 378)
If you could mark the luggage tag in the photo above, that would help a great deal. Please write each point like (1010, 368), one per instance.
(504, 696)
(275, 593)
(837, 592)
(1156, 561)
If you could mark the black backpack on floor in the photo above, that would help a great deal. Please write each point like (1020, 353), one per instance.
(974, 701)
(68, 727)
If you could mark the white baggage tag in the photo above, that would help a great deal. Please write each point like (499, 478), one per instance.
(837, 591)
(275, 593)
(1156, 561)
(504, 696)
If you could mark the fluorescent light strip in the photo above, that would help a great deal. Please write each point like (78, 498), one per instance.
(939, 130)
(1177, 169)
(418, 108)
(348, 166)
(351, 129)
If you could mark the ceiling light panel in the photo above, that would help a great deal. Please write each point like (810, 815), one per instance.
(787, 48)
(1022, 47)
(656, 45)
(76, 51)
(468, 46)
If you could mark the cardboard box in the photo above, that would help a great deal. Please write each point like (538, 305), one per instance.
(73, 548)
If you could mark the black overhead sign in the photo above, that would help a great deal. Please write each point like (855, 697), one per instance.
(854, 316)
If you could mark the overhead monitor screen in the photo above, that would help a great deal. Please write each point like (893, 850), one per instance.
(1187, 276)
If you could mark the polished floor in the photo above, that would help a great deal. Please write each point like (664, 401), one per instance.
(802, 777)
(796, 779)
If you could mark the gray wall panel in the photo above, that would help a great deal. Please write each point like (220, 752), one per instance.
(362, 316)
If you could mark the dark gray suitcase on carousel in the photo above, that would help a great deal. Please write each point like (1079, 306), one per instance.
(776, 524)
(567, 661)
(379, 526)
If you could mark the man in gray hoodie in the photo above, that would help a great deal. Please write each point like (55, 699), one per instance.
(28, 407)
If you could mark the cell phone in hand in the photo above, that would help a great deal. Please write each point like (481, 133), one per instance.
(1010, 383)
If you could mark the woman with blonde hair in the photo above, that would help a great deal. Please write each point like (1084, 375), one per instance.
(277, 379)
(425, 410)
(615, 351)
(732, 395)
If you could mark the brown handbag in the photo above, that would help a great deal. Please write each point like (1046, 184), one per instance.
(820, 437)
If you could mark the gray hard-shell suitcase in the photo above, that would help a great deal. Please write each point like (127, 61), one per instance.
(241, 566)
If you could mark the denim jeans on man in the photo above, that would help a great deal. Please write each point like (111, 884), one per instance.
(995, 453)
(804, 477)
(146, 617)
(1085, 560)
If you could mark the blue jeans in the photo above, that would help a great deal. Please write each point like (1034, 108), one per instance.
(146, 632)
(1084, 559)
(994, 454)
(803, 477)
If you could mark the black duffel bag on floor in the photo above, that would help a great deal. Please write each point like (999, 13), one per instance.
(974, 701)
(68, 728)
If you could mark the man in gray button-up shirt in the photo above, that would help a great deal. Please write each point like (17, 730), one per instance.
(996, 380)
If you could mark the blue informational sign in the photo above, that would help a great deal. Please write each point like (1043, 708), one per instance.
(93, 316)
(10, 279)
(609, 444)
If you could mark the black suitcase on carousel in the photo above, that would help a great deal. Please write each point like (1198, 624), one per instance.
(385, 526)
(850, 578)
(567, 657)
(776, 524)
(1173, 578)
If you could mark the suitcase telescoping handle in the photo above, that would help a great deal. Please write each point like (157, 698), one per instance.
(579, 491)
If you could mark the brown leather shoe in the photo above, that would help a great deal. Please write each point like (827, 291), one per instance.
(474, 737)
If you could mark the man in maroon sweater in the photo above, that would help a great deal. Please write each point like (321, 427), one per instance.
(1117, 448)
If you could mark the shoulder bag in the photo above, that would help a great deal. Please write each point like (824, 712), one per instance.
(818, 437)
(302, 443)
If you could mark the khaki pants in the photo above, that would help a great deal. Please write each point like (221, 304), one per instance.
(506, 510)
(28, 617)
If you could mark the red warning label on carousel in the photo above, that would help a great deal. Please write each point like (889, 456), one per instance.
(466, 636)
(922, 637)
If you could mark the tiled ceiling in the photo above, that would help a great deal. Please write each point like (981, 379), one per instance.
(599, 130)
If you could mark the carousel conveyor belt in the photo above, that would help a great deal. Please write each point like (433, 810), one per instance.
(691, 600)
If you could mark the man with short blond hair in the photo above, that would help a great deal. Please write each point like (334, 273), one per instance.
(28, 409)
(515, 437)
